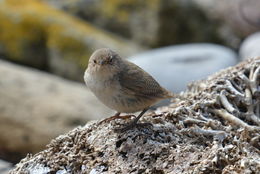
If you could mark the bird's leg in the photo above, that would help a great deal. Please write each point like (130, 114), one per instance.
(139, 116)
(116, 116)
(134, 122)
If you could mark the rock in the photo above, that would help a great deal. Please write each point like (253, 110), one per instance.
(196, 134)
(35, 34)
(5, 167)
(151, 23)
(36, 107)
(236, 19)
(250, 46)
(176, 66)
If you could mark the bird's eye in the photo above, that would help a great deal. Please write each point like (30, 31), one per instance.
(95, 61)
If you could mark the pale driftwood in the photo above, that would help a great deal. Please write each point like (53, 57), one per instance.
(212, 128)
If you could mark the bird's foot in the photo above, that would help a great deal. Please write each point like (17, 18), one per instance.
(115, 117)
(133, 125)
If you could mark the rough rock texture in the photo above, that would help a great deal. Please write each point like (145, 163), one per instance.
(35, 34)
(153, 23)
(213, 128)
(35, 107)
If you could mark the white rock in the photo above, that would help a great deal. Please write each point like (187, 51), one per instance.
(250, 47)
(176, 66)
(5, 167)
(38, 169)
(64, 171)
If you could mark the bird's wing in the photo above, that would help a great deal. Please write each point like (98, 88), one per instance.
(135, 81)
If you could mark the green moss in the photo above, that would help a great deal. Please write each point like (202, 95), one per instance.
(20, 33)
(70, 47)
(122, 10)
(30, 30)
(22, 39)
(23, 23)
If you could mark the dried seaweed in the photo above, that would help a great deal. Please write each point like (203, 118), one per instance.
(213, 127)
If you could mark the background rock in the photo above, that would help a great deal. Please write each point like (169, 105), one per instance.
(236, 18)
(159, 23)
(36, 107)
(33, 33)
(250, 47)
(5, 167)
(151, 23)
(176, 66)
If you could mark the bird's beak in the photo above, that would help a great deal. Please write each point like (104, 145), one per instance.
(102, 62)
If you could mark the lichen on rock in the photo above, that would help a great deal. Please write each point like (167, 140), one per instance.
(152, 23)
(35, 34)
(213, 127)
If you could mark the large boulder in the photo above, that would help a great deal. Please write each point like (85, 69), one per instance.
(150, 22)
(36, 107)
(35, 34)
(174, 67)
(250, 46)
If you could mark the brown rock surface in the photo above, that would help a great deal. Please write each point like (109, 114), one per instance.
(213, 128)
(36, 107)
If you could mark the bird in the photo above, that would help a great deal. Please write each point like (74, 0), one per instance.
(122, 85)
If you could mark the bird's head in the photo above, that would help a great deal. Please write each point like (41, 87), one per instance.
(105, 60)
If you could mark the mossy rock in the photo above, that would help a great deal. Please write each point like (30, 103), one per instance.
(152, 23)
(35, 34)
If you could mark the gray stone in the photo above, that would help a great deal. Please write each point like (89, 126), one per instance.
(36, 107)
(176, 66)
(250, 47)
(5, 167)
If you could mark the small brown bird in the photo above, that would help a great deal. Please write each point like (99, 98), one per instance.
(122, 85)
